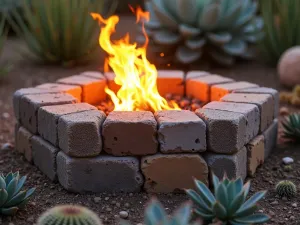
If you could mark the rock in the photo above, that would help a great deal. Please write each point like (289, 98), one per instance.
(294, 205)
(5, 115)
(127, 205)
(123, 214)
(274, 203)
(284, 111)
(287, 160)
(106, 198)
(6, 147)
(97, 199)
(118, 204)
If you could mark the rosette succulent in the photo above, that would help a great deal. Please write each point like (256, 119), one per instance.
(221, 29)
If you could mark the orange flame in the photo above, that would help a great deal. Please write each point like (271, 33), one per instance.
(134, 73)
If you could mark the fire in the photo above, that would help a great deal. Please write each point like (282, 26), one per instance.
(134, 73)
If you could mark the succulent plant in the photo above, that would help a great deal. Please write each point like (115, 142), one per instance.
(228, 203)
(222, 29)
(291, 127)
(12, 198)
(286, 188)
(69, 215)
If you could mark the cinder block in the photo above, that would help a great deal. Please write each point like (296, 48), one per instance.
(270, 135)
(79, 133)
(265, 103)
(255, 154)
(250, 111)
(23, 144)
(220, 90)
(99, 174)
(73, 90)
(130, 133)
(110, 76)
(264, 90)
(200, 87)
(30, 104)
(226, 131)
(196, 73)
(180, 131)
(92, 89)
(93, 74)
(170, 81)
(48, 118)
(44, 156)
(168, 173)
(234, 166)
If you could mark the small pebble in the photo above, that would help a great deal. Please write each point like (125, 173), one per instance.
(118, 204)
(127, 205)
(106, 198)
(274, 203)
(108, 209)
(292, 218)
(5, 115)
(6, 147)
(287, 160)
(123, 214)
(97, 199)
(294, 205)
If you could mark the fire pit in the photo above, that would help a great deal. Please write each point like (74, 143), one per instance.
(141, 129)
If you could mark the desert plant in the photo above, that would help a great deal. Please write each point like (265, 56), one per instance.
(286, 188)
(69, 215)
(60, 31)
(282, 30)
(291, 127)
(224, 30)
(228, 203)
(12, 198)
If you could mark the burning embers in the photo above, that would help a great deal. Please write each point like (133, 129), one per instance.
(134, 73)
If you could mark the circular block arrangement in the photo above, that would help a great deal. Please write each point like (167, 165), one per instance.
(61, 130)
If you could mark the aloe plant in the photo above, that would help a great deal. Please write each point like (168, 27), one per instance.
(291, 128)
(282, 29)
(59, 31)
(229, 202)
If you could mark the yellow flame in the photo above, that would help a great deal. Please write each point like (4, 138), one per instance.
(134, 73)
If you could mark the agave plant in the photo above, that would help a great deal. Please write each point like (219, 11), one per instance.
(12, 198)
(291, 127)
(60, 31)
(222, 29)
(229, 202)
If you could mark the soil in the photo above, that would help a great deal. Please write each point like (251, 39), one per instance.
(26, 73)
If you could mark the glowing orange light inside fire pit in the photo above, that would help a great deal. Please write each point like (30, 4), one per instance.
(134, 73)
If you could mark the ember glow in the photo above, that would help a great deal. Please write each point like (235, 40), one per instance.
(134, 73)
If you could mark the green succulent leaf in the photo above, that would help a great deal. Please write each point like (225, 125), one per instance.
(196, 198)
(186, 55)
(210, 17)
(255, 218)
(20, 184)
(220, 38)
(205, 193)
(163, 16)
(235, 47)
(189, 31)
(195, 44)
(219, 211)
(182, 215)
(187, 10)
(205, 216)
(154, 213)
(221, 195)
(166, 37)
(16, 200)
(9, 177)
(216, 182)
(11, 187)
(246, 188)
(2, 183)
(3, 197)
(230, 16)
(221, 57)
(248, 12)
(236, 203)
(9, 211)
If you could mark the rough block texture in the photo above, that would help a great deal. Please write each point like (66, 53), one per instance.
(250, 111)
(79, 134)
(23, 144)
(130, 133)
(180, 131)
(30, 104)
(92, 89)
(44, 156)
(233, 165)
(168, 173)
(226, 131)
(200, 87)
(99, 174)
(264, 90)
(265, 103)
(93, 74)
(270, 135)
(48, 118)
(255, 154)
(195, 74)
(220, 90)
(170, 81)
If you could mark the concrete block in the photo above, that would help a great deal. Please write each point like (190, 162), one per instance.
(93, 74)
(16, 131)
(110, 76)
(168, 173)
(92, 89)
(270, 135)
(48, 118)
(264, 90)
(170, 81)
(264, 102)
(44, 156)
(130, 133)
(23, 144)
(200, 87)
(255, 154)
(30, 104)
(79, 134)
(99, 174)
(220, 90)
(226, 131)
(250, 111)
(180, 131)
(73, 90)
(196, 73)
(234, 166)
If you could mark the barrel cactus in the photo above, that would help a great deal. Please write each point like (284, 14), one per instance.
(286, 188)
(69, 215)
(12, 198)
(222, 29)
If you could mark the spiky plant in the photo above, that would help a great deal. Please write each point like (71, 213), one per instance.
(4, 69)
(282, 30)
(69, 215)
(286, 188)
(229, 202)
(291, 127)
(221, 29)
(12, 198)
(61, 31)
